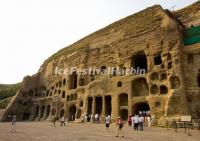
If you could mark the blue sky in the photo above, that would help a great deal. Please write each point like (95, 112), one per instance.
(32, 30)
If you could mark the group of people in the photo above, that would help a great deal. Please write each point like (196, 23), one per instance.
(138, 121)
(54, 119)
(94, 118)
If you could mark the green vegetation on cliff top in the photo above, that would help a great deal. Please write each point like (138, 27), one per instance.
(7, 91)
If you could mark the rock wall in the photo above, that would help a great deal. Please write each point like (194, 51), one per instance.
(151, 39)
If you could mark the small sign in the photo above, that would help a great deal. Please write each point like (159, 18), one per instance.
(186, 118)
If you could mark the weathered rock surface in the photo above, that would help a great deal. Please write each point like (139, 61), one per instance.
(152, 40)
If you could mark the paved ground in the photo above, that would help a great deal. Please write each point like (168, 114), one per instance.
(42, 131)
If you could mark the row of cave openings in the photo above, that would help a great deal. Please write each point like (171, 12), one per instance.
(141, 88)
(95, 106)
(137, 61)
(154, 88)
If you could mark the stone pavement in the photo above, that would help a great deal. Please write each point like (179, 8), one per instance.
(43, 131)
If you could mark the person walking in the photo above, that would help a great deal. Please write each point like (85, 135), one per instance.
(107, 122)
(62, 121)
(82, 119)
(136, 122)
(148, 121)
(141, 121)
(54, 120)
(13, 122)
(96, 118)
(129, 120)
(119, 124)
(92, 118)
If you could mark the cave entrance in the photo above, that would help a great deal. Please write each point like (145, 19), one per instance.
(72, 112)
(98, 105)
(108, 105)
(26, 116)
(141, 109)
(89, 108)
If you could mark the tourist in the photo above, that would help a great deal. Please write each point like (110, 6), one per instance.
(132, 121)
(129, 120)
(119, 124)
(136, 121)
(62, 121)
(92, 118)
(14, 120)
(148, 121)
(108, 122)
(141, 121)
(54, 120)
(88, 118)
(96, 117)
(82, 119)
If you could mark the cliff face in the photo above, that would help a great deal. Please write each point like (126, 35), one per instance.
(151, 39)
(190, 16)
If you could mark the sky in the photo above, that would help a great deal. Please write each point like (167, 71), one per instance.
(32, 30)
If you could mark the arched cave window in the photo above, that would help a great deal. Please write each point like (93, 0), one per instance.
(157, 60)
(63, 94)
(64, 81)
(154, 89)
(73, 81)
(163, 76)
(163, 89)
(139, 61)
(119, 84)
(154, 76)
